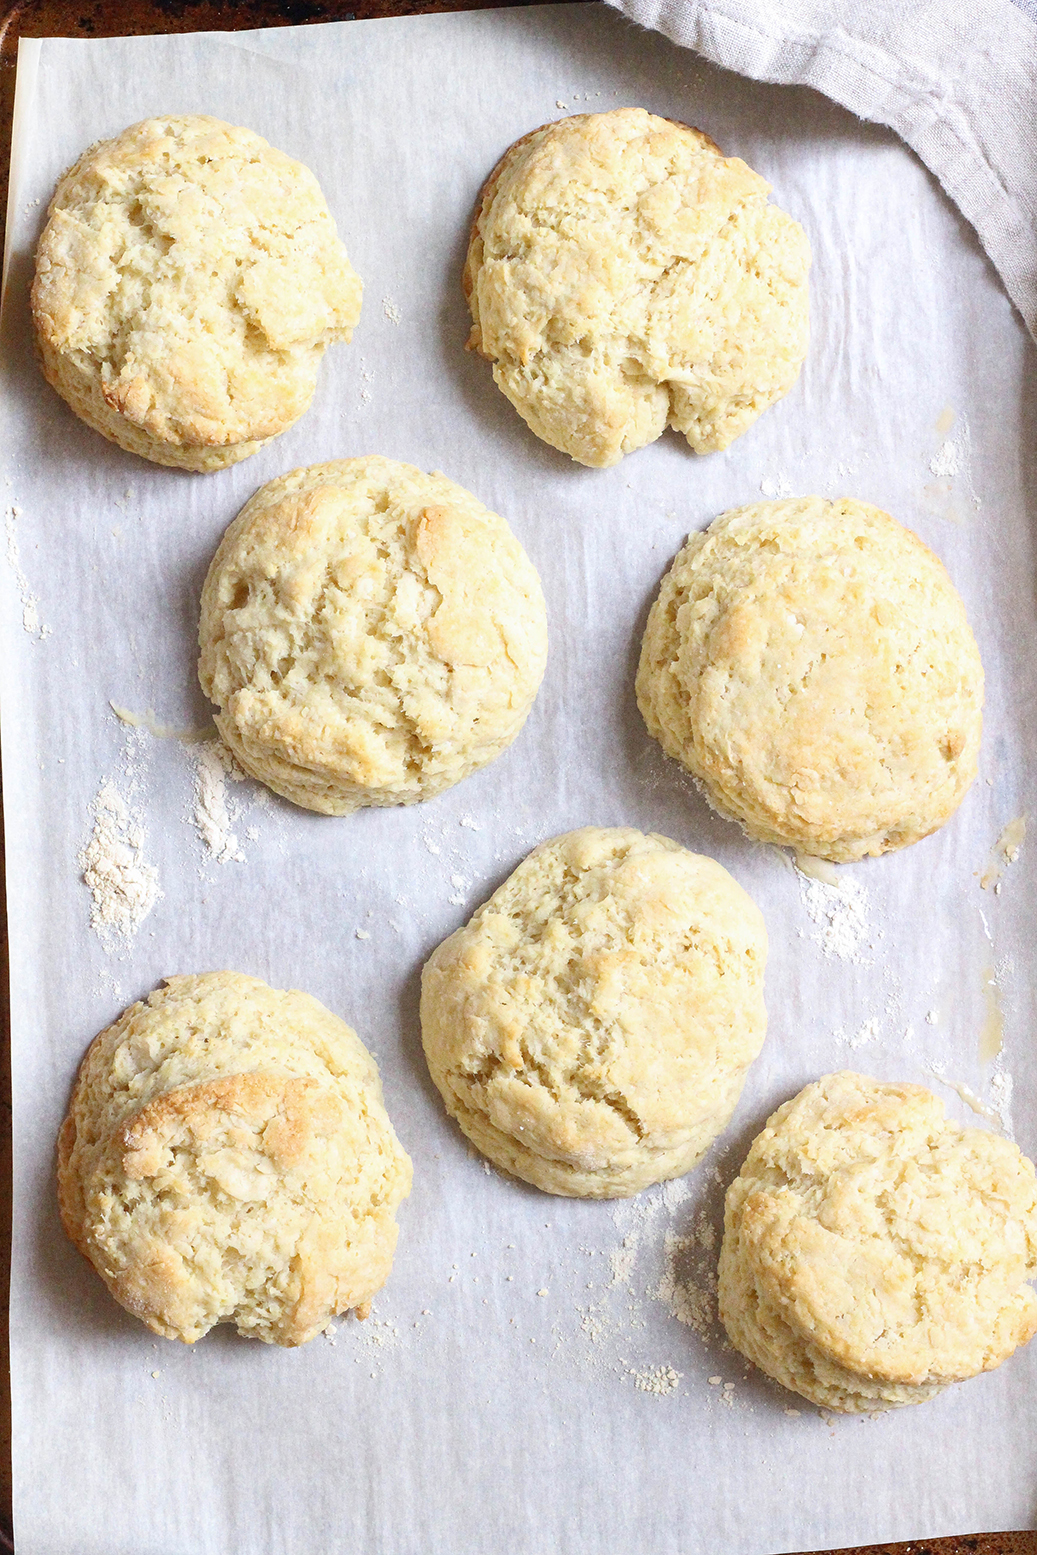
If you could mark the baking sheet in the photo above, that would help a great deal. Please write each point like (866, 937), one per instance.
(538, 1374)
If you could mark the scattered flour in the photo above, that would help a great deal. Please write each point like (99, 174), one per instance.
(106, 984)
(623, 1258)
(124, 888)
(1002, 1085)
(868, 1032)
(390, 310)
(675, 1192)
(659, 1380)
(659, 1258)
(839, 914)
(380, 1334)
(776, 485)
(947, 462)
(213, 814)
(954, 459)
(689, 1282)
(30, 604)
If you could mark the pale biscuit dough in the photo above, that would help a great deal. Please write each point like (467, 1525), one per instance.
(624, 276)
(591, 1027)
(811, 664)
(227, 1158)
(875, 1251)
(187, 283)
(371, 635)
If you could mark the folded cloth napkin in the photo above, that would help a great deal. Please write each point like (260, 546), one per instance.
(956, 79)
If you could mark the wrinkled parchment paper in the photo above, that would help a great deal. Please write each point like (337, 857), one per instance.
(538, 1375)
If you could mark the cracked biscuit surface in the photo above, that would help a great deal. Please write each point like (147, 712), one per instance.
(591, 1027)
(875, 1251)
(623, 276)
(187, 283)
(371, 635)
(810, 663)
(227, 1158)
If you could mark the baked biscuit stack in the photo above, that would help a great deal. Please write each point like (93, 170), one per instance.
(227, 1158)
(874, 1251)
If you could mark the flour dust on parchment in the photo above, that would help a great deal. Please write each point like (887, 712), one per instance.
(638, 1307)
(30, 603)
(839, 912)
(214, 813)
(689, 1282)
(776, 485)
(656, 1288)
(123, 886)
(659, 1380)
(952, 462)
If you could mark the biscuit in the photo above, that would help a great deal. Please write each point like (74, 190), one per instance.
(187, 282)
(371, 635)
(590, 1028)
(874, 1251)
(624, 276)
(227, 1159)
(810, 663)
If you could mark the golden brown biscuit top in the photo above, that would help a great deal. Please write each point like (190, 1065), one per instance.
(196, 271)
(896, 1242)
(622, 274)
(602, 1007)
(811, 662)
(227, 1157)
(371, 628)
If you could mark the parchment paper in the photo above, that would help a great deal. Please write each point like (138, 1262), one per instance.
(517, 1386)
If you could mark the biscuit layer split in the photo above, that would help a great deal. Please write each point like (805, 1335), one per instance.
(187, 283)
(227, 1158)
(624, 276)
(875, 1251)
(591, 1027)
